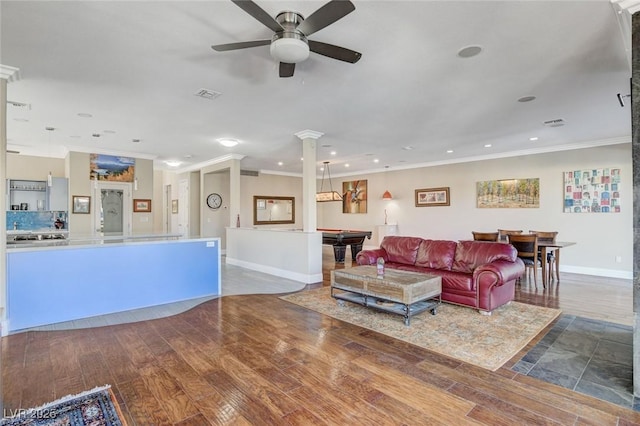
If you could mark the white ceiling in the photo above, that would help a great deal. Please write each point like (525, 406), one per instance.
(135, 67)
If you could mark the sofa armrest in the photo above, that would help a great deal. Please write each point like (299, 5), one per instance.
(503, 270)
(370, 257)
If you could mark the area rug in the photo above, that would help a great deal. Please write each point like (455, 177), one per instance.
(487, 341)
(96, 407)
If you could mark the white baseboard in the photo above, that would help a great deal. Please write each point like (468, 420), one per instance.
(303, 278)
(599, 272)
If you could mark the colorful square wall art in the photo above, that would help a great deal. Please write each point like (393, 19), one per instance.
(354, 196)
(111, 168)
(592, 191)
(508, 193)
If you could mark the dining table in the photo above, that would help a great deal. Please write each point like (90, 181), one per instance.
(547, 246)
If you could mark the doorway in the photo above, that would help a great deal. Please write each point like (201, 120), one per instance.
(112, 208)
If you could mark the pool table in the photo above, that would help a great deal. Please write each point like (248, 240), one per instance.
(341, 238)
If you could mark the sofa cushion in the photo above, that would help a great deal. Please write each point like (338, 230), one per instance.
(471, 254)
(401, 249)
(436, 254)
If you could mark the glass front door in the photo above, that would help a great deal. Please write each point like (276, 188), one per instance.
(111, 211)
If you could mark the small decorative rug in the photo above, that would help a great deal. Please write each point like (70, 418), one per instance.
(96, 407)
(487, 341)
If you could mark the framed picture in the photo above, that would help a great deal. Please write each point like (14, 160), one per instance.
(174, 206)
(432, 197)
(354, 196)
(508, 193)
(81, 204)
(143, 206)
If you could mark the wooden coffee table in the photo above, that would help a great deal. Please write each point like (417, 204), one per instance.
(398, 292)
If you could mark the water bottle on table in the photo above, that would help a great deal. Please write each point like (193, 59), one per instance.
(380, 267)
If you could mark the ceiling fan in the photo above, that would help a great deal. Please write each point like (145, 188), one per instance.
(289, 44)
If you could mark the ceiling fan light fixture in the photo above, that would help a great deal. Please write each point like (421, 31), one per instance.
(290, 50)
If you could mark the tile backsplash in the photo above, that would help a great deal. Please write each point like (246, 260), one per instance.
(35, 220)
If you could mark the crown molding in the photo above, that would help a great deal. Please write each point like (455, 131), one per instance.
(309, 134)
(9, 73)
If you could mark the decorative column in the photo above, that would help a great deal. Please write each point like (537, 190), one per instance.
(309, 181)
(629, 20)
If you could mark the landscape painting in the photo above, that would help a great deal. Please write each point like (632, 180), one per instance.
(508, 193)
(112, 168)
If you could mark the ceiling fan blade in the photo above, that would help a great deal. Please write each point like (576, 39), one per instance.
(286, 70)
(335, 52)
(326, 15)
(240, 45)
(258, 13)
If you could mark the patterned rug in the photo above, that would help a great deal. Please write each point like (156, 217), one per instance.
(487, 341)
(96, 407)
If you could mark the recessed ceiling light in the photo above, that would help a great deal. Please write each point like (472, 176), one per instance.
(535, 138)
(333, 153)
(407, 148)
(346, 165)
(301, 158)
(228, 142)
(109, 131)
(526, 99)
(135, 140)
(375, 160)
(24, 120)
(487, 145)
(50, 128)
(172, 163)
(96, 135)
(449, 151)
(469, 51)
(187, 156)
(280, 163)
(84, 115)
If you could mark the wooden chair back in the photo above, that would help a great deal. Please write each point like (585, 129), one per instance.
(485, 236)
(545, 236)
(503, 234)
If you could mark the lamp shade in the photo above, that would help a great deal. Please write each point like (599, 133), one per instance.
(387, 196)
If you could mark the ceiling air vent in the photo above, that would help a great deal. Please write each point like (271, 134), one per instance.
(555, 123)
(208, 94)
(21, 105)
(249, 173)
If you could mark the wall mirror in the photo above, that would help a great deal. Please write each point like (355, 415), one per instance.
(269, 210)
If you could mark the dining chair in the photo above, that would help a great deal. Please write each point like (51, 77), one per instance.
(527, 247)
(485, 236)
(503, 234)
(548, 237)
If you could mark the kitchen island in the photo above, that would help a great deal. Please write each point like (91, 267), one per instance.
(47, 284)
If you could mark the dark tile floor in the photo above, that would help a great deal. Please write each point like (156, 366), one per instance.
(588, 356)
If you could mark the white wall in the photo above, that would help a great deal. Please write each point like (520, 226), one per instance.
(600, 237)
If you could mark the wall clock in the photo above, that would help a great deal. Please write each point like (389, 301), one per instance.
(214, 201)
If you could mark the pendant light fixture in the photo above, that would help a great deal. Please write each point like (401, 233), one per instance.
(387, 195)
(330, 195)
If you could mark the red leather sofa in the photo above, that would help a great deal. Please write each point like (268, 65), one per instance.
(478, 274)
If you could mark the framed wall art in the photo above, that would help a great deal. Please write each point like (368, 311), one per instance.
(592, 191)
(112, 168)
(143, 206)
(432, 197)
(81, 204)
(508, 193)
(354, 196)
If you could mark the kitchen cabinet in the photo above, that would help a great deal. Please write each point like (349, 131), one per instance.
(35, 195)
(26, 194)
(58, 195)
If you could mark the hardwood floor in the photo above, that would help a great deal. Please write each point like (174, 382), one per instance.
(256, 359)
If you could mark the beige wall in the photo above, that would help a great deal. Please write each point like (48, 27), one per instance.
(600, 237)
(76, 167)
